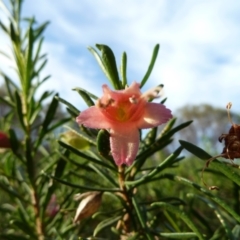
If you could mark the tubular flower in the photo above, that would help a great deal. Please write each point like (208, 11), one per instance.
(123, 113)
(4, 140)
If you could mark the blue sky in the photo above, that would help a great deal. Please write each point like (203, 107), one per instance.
(198, 61)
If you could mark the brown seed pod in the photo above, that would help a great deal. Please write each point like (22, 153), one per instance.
(90, 202)
(231, 140)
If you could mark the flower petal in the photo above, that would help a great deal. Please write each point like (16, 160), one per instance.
(154, 115)
(124, 141)
(93, 118)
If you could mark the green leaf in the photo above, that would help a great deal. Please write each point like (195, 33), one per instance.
(37, 72)
(24, 227)
(219, 215)
(181, 214)
(50, 113)
(198, 152)
(236, 232)
(91, 159)
(99, 60)
(163, 140)
(143, 156)
(29, 66)
(4, 28)
(11, 191)
(13, 236)
(10, 86)
(38, 32)
(70, 106)
(156, 170)
(34, 113)
(19, 105)
(216, 199)
(124, 69)
(85, 91)
(9, 165)
(8, 102)
(151, 65)
(110, 65)
(100, 189)
(13, 140)
(222, 167)
(13, 34)
(36, 58)
(167, 127)
(105, 223)
(61, 165)
(72, 113)
(104, 174)
(58, 124)
(141, 219)
(176, 129)
(45, 95)
(85, 97)
(163, 101)
(150, 137)
(182, 235)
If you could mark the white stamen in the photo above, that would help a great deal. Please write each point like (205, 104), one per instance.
(133, 99)
(153, 93)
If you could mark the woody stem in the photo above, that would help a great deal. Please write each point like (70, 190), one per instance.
(127, 219)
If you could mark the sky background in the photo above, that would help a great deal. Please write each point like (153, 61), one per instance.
(198, 61)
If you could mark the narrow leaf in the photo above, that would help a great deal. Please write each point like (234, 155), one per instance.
(29, 66)
(85, 97)
(19, 104)
(50, 113)
(216, 199)
(79, 153)
(181, 214)
(222, 167)
(109, 62)
(70, 106)
(156, 170)
(151, 65)
(105, 223)
(100, 189)
(88, 93)
(124, 69)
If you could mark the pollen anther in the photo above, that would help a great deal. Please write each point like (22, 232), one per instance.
(133, 99)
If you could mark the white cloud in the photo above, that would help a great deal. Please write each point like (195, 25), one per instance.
(199, 55)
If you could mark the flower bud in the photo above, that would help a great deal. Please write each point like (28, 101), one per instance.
(90, 202)
(73, 139)
(4, 140)
(52, 207)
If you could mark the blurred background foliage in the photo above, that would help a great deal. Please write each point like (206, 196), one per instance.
(51, 159)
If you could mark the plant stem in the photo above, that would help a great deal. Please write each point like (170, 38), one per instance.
(31, 168)
(39, 224)
(128, 217)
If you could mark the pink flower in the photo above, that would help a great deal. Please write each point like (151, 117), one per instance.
(123, 113)
(4, 140)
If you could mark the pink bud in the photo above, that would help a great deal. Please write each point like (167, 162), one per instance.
(4, 140)
(52, 207)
